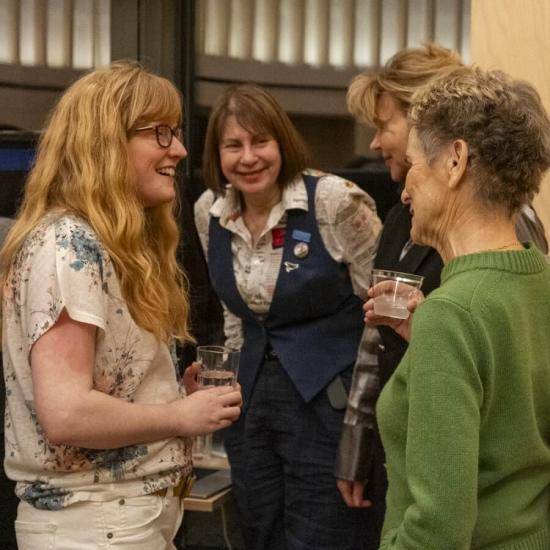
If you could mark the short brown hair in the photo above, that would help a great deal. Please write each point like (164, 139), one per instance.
(257, 111)
(504, 124)
(404, 73)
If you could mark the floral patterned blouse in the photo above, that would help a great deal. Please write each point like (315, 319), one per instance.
(62, 265)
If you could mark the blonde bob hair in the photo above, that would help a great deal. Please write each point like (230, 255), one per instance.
(82, 168)
(404, 73)
(257, 111)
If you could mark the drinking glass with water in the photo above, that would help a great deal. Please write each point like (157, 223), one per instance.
(393, 290)
(219, 366)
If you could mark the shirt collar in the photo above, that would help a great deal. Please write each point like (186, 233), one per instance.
(228, 207)
(295, 195)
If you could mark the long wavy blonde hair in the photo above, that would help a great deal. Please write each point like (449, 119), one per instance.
(82, 168)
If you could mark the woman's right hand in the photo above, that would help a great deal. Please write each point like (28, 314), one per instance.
(352, 493)
(208, 410)
(400, 326)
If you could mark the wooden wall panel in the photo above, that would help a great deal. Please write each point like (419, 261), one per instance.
(514, 35)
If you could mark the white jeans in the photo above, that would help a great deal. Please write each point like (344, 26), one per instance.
(138, 523)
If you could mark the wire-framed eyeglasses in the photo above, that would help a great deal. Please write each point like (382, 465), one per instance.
(164, 134)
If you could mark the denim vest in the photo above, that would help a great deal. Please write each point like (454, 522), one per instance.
(315, 320)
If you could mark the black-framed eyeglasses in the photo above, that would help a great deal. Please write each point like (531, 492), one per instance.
(164, 134)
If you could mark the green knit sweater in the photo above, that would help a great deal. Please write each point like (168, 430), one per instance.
(465, 419)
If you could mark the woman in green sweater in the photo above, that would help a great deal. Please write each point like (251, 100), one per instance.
(465, 419)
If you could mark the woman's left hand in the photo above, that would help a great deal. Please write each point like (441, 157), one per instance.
(189, 378)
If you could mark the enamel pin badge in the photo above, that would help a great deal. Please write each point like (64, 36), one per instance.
(289, 266)
(301, 250)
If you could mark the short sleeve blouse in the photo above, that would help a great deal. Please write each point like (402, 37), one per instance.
(62, 265)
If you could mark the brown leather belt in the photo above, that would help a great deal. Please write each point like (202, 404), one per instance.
(181, 490)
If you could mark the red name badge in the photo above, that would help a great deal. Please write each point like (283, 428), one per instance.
(277, 237)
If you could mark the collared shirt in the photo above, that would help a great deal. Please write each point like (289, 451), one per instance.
(355, 451)
(347, 222)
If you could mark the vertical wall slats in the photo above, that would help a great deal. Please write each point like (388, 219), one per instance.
(242, 28)
(200, 24)
(102, 34)
(58, 33)
(216, 26)
(341, 33)
(316, 29)
(32, 37)
(291, 34)
(9, 31)
(393, 28)
(447, 23)
(366, 44)
(419, 22)
(83, 32)
(264, 40)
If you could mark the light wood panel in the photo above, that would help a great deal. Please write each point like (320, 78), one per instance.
(513, 35)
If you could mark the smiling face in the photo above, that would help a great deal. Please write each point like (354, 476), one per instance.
(427, 193)
(251, 162)
(391, 136)
(154, 167)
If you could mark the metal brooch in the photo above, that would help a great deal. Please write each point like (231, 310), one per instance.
(301, 250)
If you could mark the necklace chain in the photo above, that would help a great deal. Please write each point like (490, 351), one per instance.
(504, 247)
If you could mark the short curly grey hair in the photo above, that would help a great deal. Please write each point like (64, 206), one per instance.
(503, 122)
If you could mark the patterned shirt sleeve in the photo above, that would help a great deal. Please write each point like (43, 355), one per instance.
(232, 325)
(349, 226)
(356, 448)
(65, 266)
(201, 210)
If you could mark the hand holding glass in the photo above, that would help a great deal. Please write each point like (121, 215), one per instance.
(218, 366)
(392, 292)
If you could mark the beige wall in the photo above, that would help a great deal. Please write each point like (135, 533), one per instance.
(514, 35)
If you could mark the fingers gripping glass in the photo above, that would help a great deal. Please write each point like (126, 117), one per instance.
(392, 292)
(164, 134)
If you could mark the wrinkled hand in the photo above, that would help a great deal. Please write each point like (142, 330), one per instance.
(352, 493)
(208, 410)
(400, 326)
(189, 378)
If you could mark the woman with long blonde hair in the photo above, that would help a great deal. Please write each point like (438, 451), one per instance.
(93, 299)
